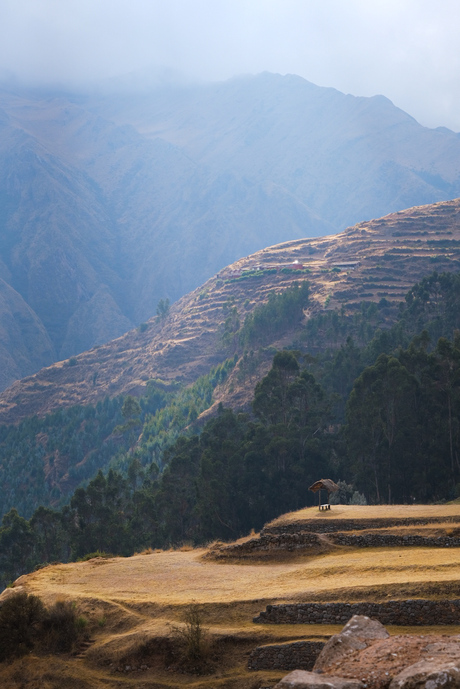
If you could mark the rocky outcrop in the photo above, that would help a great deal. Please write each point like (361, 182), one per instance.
(404, 662)
(359, 633)
(299, 679)
(428, 674)
(9, 592)
(364, 653)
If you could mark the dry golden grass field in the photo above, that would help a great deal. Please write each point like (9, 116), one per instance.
(132, 604)
(373, 512)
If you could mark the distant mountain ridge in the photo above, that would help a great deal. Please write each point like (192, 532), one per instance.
(376, 261)
(109, 203)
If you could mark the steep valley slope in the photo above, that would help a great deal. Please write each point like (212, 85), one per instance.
(112, 201)
(372, 261)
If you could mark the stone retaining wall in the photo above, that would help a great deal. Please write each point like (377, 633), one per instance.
(297, 655)
(394, 540)
(395, 612)
(266, 543)
(307, 539)
(331, 525)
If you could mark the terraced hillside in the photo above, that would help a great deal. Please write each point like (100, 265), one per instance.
(375, 260)
(295, 596)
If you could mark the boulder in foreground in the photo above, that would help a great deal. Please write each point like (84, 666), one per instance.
(429, 674)
(359, 633)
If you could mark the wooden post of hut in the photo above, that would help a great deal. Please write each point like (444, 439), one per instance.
(324, 484)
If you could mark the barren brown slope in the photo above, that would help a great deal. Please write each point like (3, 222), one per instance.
(385, 258)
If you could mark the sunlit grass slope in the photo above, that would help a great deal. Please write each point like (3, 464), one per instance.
(176, 578)
(372, 512)
(132, 602)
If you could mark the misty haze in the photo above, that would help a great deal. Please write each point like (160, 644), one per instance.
(229, 344)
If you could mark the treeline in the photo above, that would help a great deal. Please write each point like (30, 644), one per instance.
(403, 432)
(43, 460)
(281, 312)
(343, 344)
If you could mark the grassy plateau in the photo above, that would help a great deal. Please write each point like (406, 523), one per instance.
(135, 606)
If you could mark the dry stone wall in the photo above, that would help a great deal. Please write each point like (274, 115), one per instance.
(332, 525)
(297, 655)
(268, 542)
(395, 612)
(304, 540)
(394, 540)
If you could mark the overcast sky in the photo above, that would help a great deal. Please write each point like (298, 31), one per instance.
(407, 50)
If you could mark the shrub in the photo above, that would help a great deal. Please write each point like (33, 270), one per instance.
(193, 633)
(193, 647)
(347, 495)
(358, 499)
(81, 624)
(20, 618)
(343, 495)
(25, 623)
(61, 628)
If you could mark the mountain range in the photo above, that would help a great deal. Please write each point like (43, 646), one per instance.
(111, 201)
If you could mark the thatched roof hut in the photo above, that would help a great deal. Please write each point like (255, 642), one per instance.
(324, 484)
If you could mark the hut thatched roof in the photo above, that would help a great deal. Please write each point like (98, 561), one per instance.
(324, 484)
